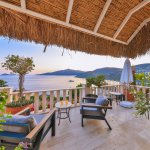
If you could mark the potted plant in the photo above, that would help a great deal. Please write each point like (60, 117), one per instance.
(20, 66)
(142, 104)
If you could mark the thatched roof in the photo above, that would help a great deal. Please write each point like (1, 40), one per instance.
(119, 28)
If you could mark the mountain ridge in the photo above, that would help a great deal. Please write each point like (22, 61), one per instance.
(111, 73)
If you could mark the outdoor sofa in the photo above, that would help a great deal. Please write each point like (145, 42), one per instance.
(13, 133)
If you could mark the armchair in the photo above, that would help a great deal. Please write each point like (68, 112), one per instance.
(93, 111)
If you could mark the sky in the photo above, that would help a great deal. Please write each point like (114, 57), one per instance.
(52, 59)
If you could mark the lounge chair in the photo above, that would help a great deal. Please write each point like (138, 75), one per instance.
(90, 110)
(14, 133)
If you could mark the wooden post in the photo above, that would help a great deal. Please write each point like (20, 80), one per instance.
(36, 102)
(44, 101)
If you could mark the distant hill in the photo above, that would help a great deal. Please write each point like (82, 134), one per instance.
(66, 72)
(143, 67)
(7, 74)
(112, 73)
(109, 72)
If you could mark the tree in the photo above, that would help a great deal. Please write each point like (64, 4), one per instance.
(3, 83)
(21, 66)
(90, 81)
(99, 80)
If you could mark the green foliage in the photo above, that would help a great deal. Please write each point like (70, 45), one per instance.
(3, 99)
(20, 103)
(90, 81)
(2, 148)
(143, 78)
(3, 83)
(142, 104)
(98, 81)
(19, 148)
(19, 65)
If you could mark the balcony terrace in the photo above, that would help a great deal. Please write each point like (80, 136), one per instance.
(127, 132)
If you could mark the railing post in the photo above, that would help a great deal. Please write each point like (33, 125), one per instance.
(70, 95)
(51, 99)
(83, 90)
(75, 97)
(58, 95)
(16, 97)
(27, 95)
(9, 92)
(98, 91)
(64, 95)
(80, 96)
(36, 102)
(44, 101)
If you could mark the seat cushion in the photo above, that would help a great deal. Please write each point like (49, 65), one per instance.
(38, 117)
(12, 137)
(126, 104)
(102, 100)
(91, 111)
(22, 119)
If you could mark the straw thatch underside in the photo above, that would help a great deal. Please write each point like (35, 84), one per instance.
(25, 28)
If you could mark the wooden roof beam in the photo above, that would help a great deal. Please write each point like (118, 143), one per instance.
(131, 12)
(138, 29)
(23, 4)
(69, 10)
(53, 20)
(102, 15)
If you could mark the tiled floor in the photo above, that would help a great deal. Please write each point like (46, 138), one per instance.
(128, 133)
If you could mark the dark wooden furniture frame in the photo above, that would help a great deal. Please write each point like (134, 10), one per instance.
(93, 105)
(36, 136)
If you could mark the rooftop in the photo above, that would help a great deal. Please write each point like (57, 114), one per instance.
(103, 27)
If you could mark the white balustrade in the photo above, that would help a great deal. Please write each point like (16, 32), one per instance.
(57, 93)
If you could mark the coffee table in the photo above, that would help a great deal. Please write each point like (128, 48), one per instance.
(63, 108)
(119, 96)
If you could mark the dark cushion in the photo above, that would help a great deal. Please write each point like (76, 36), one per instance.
(102, 100)
(91, 111)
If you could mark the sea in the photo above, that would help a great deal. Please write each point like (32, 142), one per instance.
(43, 82)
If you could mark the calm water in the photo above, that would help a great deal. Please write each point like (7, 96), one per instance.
(43, 82)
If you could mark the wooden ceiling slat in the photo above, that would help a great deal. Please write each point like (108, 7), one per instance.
(15, 2)
(53, 8)
(85, 13)
(134, 23)
(115, 15)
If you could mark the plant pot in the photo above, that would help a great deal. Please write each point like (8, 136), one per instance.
(14, 110)
(129, 96)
